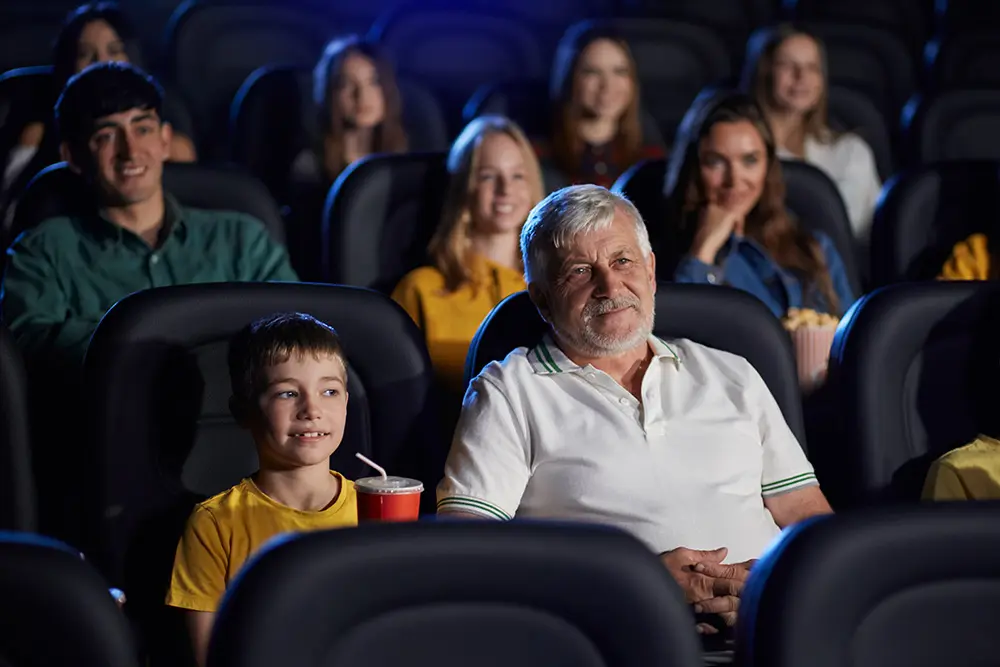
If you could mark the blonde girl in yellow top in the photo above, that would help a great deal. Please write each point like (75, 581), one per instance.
(495, 182)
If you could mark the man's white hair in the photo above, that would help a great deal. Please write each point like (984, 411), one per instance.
(565, 214)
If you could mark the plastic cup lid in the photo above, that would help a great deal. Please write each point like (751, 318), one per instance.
(389, 485)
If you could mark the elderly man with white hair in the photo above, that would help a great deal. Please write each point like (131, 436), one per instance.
(680, 444)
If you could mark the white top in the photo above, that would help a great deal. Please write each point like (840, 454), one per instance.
(542, 437)
(848, 161)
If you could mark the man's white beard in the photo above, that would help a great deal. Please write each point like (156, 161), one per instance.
(593, 344)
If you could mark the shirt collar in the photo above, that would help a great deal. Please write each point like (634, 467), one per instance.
(173, 219)
(547, 359)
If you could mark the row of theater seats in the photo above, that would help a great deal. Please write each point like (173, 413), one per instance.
(913, 21)
(907, 379)
(452, 594)
(381, 213)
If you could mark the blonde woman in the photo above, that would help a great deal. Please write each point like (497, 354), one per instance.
(476, 262)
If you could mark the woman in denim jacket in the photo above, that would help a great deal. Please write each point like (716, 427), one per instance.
(728, 224)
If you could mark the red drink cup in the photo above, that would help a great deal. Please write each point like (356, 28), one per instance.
(388, 498)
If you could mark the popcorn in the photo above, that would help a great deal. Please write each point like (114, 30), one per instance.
(800, 318)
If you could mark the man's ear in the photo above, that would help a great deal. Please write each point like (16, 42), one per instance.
(66, 155)
(652, 269)
(166, 135)
(541, 301)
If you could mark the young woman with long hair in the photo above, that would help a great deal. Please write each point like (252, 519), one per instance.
(476, 260)
(786, 74)
(596, 125)
(728, 223)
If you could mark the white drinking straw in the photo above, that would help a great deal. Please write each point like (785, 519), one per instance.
(372, 464)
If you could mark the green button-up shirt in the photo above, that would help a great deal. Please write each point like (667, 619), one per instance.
(64, 275)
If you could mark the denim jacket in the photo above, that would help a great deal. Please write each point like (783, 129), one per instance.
(745, 264)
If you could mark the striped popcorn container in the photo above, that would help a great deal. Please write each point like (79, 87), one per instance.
(812, 354)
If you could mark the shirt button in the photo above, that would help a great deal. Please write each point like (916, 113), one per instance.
(154, 259)
(712, 278)
(623, 400)
(591, 376)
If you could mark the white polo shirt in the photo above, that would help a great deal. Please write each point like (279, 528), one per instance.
(542, 437)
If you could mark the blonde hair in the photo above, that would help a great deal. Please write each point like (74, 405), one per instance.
(758, 77)
(450, 248)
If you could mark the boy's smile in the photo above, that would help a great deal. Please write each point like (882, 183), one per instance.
(302, 411)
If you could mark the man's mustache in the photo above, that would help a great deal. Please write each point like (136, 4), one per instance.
(603, 306)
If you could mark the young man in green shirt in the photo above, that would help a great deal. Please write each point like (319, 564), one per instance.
(65, 274)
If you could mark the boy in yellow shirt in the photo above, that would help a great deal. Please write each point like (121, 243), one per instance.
(289, 389)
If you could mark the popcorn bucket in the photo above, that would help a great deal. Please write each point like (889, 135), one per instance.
(812, 354)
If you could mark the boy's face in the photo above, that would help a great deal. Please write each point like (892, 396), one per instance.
(127, 152)
(302, 411)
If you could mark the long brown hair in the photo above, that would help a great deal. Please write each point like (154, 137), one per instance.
(450, 247)
(567, 146)
(388, 137)
(769, 223)
(758, 76)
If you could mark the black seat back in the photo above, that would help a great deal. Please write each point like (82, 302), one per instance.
(163, 438)
(718, 317)
(27, 32)
(906, 19)
(953, 125)
(914, 372)
(25, 94)
(380, 216)
(159, 388)
(544, 601)
(49, 586)
(730, 19)
(58, 191)
(811, 600)
(925, 210)
(872, 61)
(963, 16)
(454, 50)
(213, 46)
(17, 489)
(965, 61)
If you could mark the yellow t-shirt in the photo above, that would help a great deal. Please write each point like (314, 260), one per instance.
(225, 530)
(967, 473)
(969, 260)
(449, 320)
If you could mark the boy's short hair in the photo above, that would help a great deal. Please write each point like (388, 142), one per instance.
(101, 90)
(272, 340)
